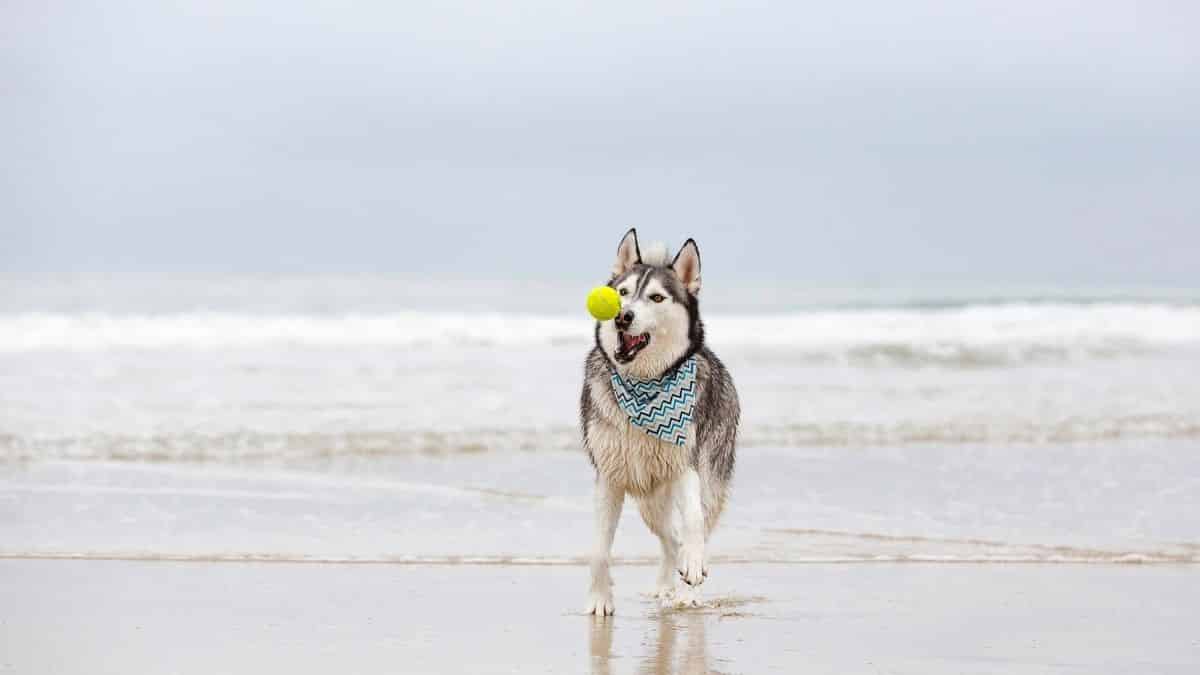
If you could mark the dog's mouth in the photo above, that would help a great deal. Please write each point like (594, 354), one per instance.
(631, 345)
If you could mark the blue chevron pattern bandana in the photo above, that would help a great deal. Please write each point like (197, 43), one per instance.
(663, 407)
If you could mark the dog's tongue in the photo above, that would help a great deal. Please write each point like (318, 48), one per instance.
(628, 340)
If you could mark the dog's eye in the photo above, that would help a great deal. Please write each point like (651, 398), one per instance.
(657, 297)
(624, 291)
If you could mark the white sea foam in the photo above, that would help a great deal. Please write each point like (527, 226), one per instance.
(984, 334)
(252, 446)
(203, 330)
(247, 385)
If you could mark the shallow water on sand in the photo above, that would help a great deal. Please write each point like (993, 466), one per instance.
(1133, 502)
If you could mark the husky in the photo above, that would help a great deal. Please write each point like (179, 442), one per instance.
(659, 415)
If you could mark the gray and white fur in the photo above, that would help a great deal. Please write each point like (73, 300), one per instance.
(680, 491)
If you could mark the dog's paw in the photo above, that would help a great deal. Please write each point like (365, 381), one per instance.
(600, 604)
(688, 597)
(691, 566)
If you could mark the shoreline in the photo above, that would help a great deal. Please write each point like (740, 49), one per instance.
(1132, 559)
(903, 506)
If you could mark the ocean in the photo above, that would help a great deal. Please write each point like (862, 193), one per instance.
(252, 369)
(382, 419)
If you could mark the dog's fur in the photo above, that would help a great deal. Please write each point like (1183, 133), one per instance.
(680, 491)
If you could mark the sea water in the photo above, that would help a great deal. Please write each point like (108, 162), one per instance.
(392, 419)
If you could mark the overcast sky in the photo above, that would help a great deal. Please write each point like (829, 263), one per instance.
(848, 142)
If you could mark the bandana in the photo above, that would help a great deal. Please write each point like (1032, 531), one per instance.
(662, 407)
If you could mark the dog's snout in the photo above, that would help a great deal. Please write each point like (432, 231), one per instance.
(625, 318)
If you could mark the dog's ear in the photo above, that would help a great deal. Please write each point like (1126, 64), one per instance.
(687, 266)
(628, 253)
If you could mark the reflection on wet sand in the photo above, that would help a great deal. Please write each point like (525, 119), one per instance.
(660, 658)
(693, 660)
(600, 644)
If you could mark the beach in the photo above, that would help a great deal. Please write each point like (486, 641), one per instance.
(362, 476)
(298, 372)
(194, 617)
(442, 565)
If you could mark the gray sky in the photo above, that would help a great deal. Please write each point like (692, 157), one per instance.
(1032, 142)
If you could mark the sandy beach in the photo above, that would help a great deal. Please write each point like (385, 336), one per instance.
(299, 371)
(72, 616)
(345, 483)
(452, 565)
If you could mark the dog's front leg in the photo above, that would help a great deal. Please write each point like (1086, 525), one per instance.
(608, 512)
(691, 516)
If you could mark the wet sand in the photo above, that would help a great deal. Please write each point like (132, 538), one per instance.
(1087, 503)
(114, 616)
(927, 560)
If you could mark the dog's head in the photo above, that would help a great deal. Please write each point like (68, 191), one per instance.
(659, 324)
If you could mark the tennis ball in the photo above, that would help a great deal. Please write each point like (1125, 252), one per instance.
(603, 303)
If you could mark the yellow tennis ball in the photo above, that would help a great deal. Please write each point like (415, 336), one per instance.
(603, 303)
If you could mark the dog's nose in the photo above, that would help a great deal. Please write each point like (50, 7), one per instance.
(624, 319)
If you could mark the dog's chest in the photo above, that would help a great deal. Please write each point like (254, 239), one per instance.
(625, 455)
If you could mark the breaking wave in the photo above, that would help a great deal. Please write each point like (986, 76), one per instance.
(978, 335)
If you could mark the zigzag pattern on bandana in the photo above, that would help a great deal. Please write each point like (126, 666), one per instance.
(662, 407)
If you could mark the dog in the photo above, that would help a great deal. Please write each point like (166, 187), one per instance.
(659, 414)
